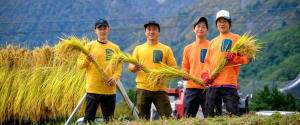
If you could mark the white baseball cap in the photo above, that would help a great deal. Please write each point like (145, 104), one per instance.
(223, 14)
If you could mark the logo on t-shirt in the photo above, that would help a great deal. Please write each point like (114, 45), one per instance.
(203, 55)
(226, 45)
(157, 56)
(109, 53)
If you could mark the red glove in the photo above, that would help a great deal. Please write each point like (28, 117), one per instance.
(206, 78)
(230, 56)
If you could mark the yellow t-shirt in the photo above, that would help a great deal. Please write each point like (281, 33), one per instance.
(102, 54)
(150, 56)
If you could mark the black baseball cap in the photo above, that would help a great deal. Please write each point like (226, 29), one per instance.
(152, 23)
(101, 22)
(201, 19)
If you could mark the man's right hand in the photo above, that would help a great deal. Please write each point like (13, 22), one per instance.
(135, 68)
(206, 78)
(138, 67)
(185, 77)
(90, 58)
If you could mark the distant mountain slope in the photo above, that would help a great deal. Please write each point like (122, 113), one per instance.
(279, 59)
(36, 21)
(33, 22)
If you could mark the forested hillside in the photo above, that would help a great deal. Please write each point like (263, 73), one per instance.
(279, 59)
(33, 23)
(36, 22)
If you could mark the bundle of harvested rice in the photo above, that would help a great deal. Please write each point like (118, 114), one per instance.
(32, 89)
(76, 44)
(157, 76)
(118, 58)
(246, 45)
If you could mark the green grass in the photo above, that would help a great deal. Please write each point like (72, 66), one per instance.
(249, 119)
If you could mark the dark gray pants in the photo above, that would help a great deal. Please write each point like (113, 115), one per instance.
(193, 98)
(229, 96)
(107, 102)
(160, 99)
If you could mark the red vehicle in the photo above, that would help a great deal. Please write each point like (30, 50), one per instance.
(176, 95)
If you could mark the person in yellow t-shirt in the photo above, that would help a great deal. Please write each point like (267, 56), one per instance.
(193, 63)
(100, 92)
(224, 86)
(150, 54)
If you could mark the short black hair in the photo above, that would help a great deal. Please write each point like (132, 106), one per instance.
(152, 23)
(201, 19)
(229, 21)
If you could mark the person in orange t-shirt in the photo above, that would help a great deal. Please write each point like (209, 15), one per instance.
(193, 63)
(224, 86)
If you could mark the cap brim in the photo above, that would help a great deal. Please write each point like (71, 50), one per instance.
(98, 25)
(227, 18)
(148, 24)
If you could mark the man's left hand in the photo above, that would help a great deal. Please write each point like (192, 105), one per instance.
(229, 56)
(111, 81)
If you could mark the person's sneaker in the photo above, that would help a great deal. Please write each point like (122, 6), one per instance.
(81, 122)
(125, 118)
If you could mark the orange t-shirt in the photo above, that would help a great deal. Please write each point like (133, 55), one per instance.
(217, 49)
(193, 61)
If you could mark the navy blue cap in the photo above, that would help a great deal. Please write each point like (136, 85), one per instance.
(201, 19)
(152, 23)
(101, 22)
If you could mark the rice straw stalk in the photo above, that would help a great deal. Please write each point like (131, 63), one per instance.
(157, 76)
(118, 58)
(246, 45)
(76, 44)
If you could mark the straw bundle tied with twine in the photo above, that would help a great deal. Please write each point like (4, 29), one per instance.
(120, 58)
(155, 76)
(76, 44)
(246, 45)
(166, 72)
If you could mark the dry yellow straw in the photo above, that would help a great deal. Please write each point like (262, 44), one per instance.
(75, 43)
(35, 87)
(118, 58)
(157, 76)
(246, 45)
